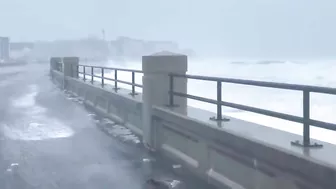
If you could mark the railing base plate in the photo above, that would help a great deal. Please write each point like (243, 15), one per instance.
(311, 145)
(220, 119)
(172, 106)
(133, 94)
(115, 89)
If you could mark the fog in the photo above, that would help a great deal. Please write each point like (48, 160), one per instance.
(231, 28)
(51, 138)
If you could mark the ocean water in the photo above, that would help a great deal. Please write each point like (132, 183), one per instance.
(323, 107)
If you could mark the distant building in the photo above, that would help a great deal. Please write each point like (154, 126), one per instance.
(130, 48)
(4, 48)
(19, 46)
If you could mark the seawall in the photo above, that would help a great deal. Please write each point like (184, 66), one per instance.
(235, 154)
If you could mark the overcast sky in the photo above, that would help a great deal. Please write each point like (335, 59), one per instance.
(228, 26)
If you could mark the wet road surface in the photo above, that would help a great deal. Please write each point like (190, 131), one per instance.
(49, 140)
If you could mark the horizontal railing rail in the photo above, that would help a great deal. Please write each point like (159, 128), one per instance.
(102, 70)
(306, 90)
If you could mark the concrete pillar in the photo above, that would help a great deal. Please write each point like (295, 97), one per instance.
(54, 61)
(70, 66)
(156, 84)
(69, 69)
(53, 64)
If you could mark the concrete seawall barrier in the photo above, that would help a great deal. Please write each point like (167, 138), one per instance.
(118, 106)
(229, 154)
(12, 64)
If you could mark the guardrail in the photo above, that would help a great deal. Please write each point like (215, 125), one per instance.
(306, 90)
(102, 70)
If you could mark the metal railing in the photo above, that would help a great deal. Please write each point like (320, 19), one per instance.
(306, 90)
(102, 71)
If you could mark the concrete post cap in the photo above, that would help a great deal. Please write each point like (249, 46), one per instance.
(165, 62)
(70, 59)
(166, 53)
(55, 59)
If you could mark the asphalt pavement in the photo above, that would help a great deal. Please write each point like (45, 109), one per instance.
(49, 140)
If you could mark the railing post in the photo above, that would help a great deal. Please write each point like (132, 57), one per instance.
(84, 74)
(306, 126)
(102, 76)
(133, 93)
(219, 100)
(116, 80)
(171, 90)
(306, 117)
(92, 74)
(219, 116)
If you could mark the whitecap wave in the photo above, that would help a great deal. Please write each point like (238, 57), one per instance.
(308, 73)
(34, 123)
